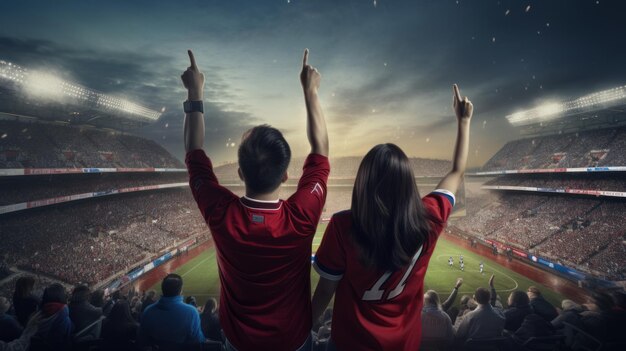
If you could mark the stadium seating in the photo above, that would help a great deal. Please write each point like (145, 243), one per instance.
(554, 227)
(62, 146)
(90, 241)
(604, 147)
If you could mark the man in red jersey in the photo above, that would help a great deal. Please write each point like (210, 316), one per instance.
(263, 243)
(374, 257)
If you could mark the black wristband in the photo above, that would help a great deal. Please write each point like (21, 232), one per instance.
(193, 106)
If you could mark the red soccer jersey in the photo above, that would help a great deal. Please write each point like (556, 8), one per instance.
(377, 310)
(263, 254)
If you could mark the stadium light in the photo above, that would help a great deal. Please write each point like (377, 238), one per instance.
(43, 85)
(48, 85)
(553, 110)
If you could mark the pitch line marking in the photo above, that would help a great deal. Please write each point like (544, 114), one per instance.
(487, 265)
(196, 266)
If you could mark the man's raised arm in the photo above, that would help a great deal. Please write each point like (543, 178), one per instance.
(316, 124)
(193, 80)
(463, 109)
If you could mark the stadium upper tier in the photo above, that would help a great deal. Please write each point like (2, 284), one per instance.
(58, 145)
(574, 231)
(24, 189)
(595, 148)
(89, 241)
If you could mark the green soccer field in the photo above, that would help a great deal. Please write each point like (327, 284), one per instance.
(201, 277)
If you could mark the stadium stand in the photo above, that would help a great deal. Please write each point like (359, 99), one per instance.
(572, 230)
(60, 145)
(88, 241)
(21, 189)
(603, 147)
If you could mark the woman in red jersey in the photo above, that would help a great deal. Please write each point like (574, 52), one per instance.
(373, 257)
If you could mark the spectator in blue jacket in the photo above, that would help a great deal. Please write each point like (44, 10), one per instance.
(170, 321)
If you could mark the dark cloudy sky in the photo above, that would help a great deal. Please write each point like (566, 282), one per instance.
(387, 66)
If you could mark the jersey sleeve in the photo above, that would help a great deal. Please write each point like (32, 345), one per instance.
(439, 204)
(205, 188)
(308, 200)
(330, 258)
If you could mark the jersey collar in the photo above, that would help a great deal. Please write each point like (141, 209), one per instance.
(260, 204)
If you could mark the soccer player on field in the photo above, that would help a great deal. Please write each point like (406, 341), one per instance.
(450, 262)
(462, 266)
(373, 257)
(461, 258)
(263, 243)
(482, 268)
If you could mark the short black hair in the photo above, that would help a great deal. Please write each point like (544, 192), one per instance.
(55, 292)
(482, 295)
(80, 294)
(172, 285)
(264, 157)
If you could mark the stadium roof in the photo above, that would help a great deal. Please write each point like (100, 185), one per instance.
(26, 89)
(551, 111)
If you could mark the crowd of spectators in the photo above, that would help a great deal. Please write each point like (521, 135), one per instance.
(59, 318)
(21, 189)
(586, 233)
(603, 226)
(525, 318)
(52, 317)
(54, 145)
(603, 147)
(89, 241)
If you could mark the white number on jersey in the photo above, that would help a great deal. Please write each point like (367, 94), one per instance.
(376, 293)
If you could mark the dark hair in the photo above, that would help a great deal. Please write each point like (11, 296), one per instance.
(518, 299)
(191, 300)
(264, 156)
(24, 286)
(481, 295)
(55, 292)
(390, 222)
(120, 315)
(80, 294)
(210, 306)
(172, 285)
(97, 298)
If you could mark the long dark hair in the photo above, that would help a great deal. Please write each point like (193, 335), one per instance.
(24, 286)
(389, 220)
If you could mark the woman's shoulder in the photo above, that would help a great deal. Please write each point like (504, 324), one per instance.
(342, 219)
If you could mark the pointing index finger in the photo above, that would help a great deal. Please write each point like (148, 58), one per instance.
(192, 59)
(457, 93)
(305, 59)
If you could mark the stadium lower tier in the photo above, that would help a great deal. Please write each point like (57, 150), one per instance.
(88, 241)
(579, 232)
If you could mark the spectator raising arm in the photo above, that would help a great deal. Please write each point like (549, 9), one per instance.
(316, 124)
(193, 80)
(463, 109)
(450, 300)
